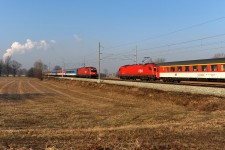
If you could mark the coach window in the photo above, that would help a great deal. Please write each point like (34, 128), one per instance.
(186, 68)
(214, 67)
(204, 68)
(179, 68)
(195, 68)
(172, 69)
(167, 69)
(222, 67)
(149, 68)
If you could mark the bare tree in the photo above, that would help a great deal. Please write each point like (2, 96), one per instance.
(15, 66)
(57, 68)
(38, 68)
(219, 55)
(38, 64)
(30, 72)
(22, 72)
(7, 66)
(106, 72)
(44, 68)
(1, 67)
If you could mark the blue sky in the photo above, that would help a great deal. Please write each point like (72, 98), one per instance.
(72, 30)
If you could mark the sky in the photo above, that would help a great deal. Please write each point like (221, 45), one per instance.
(68, 32)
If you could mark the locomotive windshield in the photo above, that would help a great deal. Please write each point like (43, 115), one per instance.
(93, 70)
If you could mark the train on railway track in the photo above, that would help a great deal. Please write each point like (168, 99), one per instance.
(84, 72)
(191, 70)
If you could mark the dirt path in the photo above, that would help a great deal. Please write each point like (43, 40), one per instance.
(63, 114)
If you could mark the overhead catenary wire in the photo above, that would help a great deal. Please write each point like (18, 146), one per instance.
(166, 52)
(201, 51)
(112, 57)
(189, 47)
(169, 33)
(171, 44)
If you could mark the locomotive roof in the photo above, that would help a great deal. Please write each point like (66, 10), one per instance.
(138, 64)
(189, 62)
(87, 67)
(71, 69)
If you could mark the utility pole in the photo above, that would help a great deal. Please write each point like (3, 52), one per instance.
(63, 66)
(84, 61)
(135, 56)
(99, 63)
(49, 67)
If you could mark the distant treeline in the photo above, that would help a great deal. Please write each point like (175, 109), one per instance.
(13, 68)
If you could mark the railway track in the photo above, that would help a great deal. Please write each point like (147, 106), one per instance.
(184, 83)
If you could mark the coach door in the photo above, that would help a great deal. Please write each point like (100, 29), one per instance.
(156, 70)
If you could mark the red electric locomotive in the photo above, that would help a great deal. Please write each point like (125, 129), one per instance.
(138, 71)
(87, 72)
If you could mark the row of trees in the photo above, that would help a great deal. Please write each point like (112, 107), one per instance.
(11, 67)
(219, 55)
(37, 70)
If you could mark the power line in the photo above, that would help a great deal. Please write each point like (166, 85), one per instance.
(169, 33)
(185, 42)
(174, 44)
(166, 52)
(112, 57)
(200, 51)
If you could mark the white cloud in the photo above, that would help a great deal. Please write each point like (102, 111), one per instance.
(53, 41)
(16, 47)
(77, 38)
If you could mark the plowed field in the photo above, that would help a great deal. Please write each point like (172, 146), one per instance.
(64, 114)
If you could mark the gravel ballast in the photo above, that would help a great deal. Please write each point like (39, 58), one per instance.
(164, 87)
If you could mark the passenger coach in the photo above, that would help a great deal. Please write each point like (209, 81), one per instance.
(84, 72)
(204, 69)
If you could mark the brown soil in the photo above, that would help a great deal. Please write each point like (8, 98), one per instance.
(64, 114)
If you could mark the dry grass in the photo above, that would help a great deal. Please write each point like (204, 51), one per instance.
(63, 114)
